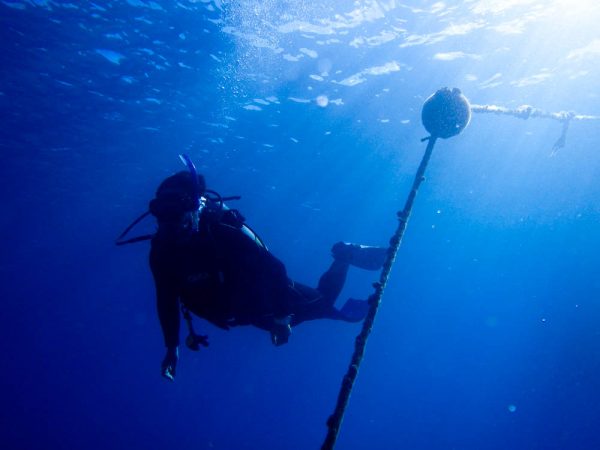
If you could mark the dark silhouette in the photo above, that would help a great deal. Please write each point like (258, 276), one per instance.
(207, 261)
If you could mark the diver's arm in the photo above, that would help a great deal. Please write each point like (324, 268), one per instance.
(167, 305)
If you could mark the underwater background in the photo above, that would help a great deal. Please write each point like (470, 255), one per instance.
(488, 336)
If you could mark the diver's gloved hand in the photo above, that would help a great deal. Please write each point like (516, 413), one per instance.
(281, 330)
(169, 364)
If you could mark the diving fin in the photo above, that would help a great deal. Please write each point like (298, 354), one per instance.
(361, 256)
(354, 310)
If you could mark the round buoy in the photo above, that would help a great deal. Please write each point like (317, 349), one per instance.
(446, 113)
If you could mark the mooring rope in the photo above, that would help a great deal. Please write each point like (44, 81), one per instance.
(335, 420)
(445, 114)
(526, 111)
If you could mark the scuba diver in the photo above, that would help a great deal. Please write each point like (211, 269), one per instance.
(207, 261)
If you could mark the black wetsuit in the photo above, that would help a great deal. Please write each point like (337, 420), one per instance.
(224, 276)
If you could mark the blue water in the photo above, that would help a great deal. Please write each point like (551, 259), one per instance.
(488, 336)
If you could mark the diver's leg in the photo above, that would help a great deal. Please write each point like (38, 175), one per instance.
(332, 281)
(346, 254)
(310, 303)
(319, 303)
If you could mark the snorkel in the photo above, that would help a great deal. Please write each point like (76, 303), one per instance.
(207, 199)
(185, 159)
